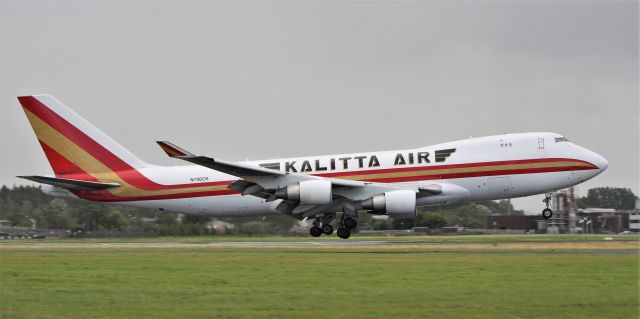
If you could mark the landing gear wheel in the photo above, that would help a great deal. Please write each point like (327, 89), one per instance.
(350, 223)
(344, 233)
(327, 229)
(315, 231)
(547, 212)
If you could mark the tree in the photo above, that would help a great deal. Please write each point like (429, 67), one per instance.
(167, 219)
(256, 228)
(114, 220)
(383, 224)
(88, 215)
(56, 214)
(430, 220)
(609, 197)
(195, 219)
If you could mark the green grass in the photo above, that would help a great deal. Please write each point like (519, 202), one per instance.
(312, 282)
(403, 238)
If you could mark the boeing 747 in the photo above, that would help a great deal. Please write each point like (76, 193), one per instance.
(87, 164)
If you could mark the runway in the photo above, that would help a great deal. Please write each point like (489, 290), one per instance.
(216, 244)
(373, 246)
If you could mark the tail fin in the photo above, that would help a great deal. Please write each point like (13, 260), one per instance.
(72, 145)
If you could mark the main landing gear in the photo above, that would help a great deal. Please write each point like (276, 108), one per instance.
(327, 229)
(321, 227)
(346, 225)
(547, 212)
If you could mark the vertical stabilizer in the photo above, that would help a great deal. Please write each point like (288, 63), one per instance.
(72, 145)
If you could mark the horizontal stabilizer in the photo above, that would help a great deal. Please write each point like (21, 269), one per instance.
(73, 184)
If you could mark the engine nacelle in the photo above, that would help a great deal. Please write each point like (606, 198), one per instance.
(401, 203)
(313, 192)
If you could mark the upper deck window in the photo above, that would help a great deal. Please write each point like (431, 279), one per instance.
(561, 139)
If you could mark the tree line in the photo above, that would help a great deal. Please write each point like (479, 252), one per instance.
(27, 206)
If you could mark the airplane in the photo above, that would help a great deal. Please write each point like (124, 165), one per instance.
(88, 164)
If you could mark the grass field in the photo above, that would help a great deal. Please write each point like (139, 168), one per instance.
(397, 281)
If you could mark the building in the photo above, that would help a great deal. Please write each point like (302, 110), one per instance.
(601, 221)
(589, 220)
(523, 222)
(634, 222)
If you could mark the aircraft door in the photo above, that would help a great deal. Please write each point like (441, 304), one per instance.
(541, 143)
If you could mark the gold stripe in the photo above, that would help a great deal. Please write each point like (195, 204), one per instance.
(462, 170)
(95, 168)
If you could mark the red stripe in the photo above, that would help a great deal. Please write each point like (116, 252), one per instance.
(73, 134)
(59, 163)
(97, 151)
(79, 174)
(477, 174)
(452, 166)
(109, 197)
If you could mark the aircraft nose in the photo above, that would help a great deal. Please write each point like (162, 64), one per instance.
(599, 161)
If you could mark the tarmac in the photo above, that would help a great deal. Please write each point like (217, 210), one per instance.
(405, 247)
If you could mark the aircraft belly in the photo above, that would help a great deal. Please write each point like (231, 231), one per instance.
(511, 186)
(221, 206)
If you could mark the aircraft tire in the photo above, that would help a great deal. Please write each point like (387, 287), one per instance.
(327, 229)
(350, 223)
(547, 213)
(344, 233)
(315, 231)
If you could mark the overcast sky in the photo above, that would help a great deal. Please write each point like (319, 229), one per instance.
(276, 79)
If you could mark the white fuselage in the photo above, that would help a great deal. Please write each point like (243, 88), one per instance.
(486, 168)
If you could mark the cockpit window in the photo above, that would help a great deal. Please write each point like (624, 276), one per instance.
(561, 139)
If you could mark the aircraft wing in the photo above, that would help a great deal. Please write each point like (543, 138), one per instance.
(264, 182)
(249, 172)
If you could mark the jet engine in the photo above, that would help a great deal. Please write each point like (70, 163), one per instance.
(400, 203)
(313, 192)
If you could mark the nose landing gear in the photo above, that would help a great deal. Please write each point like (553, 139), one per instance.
(547, 212)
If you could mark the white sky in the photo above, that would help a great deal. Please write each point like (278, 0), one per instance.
(276, 79)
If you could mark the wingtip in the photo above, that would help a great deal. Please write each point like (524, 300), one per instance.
(24, 97)
(173, 150)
